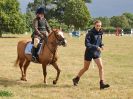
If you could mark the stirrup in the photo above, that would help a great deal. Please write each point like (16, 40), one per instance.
(34, 59)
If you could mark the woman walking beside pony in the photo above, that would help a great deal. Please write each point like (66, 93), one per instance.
(94, 45)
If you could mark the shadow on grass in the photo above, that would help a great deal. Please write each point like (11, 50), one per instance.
(8, 82)
(50, 86)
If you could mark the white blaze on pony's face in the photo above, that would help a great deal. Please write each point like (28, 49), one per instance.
(61, 34)
(62, 40)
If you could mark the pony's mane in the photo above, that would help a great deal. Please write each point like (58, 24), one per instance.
(53, 31)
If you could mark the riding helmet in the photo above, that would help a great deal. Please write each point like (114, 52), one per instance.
(40, 10)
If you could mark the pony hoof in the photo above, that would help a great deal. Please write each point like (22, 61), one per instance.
(23, 79)
(45, 82)
(54, 82)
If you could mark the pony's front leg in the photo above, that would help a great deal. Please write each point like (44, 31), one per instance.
(44, 72)
(58, 72)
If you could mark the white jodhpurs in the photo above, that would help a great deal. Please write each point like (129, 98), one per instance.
(36, 42)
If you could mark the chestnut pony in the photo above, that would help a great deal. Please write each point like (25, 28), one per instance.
(48, 54)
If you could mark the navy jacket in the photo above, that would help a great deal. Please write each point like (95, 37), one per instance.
(93, 39)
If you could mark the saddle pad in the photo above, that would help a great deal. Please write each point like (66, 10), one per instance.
(28, 48)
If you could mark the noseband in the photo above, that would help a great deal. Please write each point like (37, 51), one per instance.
(59, 41)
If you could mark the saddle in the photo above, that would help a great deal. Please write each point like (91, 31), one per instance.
(29, 46)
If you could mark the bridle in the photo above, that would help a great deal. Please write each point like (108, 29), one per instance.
(58, 42)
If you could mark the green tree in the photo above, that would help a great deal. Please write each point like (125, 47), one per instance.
(54, 23)
(32, 6)
(29, 20)
(11, 20)
(129, 17)
(57, 16)
(88, 1)
(57, 12)
(76, 13)
(37, 3)
(105, 21)
(119, 21)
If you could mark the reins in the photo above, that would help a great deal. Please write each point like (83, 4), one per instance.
(53, 52)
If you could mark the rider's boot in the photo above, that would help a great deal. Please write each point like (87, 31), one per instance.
(34, 54)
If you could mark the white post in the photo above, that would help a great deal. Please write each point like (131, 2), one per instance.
(79, 32)
(122, 32)
(131, 32)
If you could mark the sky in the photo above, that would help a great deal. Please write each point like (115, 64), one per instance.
(23, 4)
(110, 7)
(99, 8)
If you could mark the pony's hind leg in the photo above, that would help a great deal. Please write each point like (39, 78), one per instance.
(25, 66)
(58, 72)
(21, 62)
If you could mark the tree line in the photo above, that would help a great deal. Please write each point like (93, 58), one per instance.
(59, 13)
(124, 21)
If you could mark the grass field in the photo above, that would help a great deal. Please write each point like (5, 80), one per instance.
(118, 65)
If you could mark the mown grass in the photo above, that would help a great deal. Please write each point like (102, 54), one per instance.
(118, 65)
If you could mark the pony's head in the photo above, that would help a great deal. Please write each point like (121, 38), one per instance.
(59, 35)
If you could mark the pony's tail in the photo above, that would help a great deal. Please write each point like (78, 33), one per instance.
(16, 62)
